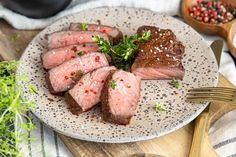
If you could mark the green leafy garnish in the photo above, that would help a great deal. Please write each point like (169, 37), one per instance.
(13, 108)
(83, 26)
(79, 53)
(122, 54)
(14, 37)
(175, 83)
(103, 44)
(18, 50)
(159, 107)
(32, 89)
(113, 84)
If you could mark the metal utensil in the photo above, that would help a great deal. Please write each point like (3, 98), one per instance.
(202, 119)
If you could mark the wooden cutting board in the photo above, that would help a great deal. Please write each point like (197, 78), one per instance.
(175, 144)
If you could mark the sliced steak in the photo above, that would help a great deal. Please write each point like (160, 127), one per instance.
(114, 32)
(65, 38)
(64, 76)
(86, 93)
(55, 57)
(160, 57)
(119, 101)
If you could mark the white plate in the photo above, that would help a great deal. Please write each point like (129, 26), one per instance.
(198, 61)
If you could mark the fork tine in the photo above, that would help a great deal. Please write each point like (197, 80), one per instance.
(213, 89)
(219, 94)
(202, 99)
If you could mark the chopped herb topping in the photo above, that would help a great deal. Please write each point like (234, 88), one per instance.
(79, 53)
(113, 84)
(175, 83)
(122, 54)
(159, 107)
(14, 37)
(83, 26)
(32, 89)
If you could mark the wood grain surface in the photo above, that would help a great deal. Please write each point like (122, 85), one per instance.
(175, 144)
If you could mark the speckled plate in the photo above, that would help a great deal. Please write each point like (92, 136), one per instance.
(198, 60)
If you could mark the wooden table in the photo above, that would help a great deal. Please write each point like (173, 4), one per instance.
(12, 44)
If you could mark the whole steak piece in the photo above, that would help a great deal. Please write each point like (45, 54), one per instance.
(120, 97)
(55, 57)
(64, 76)
(86, 93)
(65, 38)
(114, 32)
(160, 57)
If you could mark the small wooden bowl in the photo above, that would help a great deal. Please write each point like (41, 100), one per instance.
(226, 30)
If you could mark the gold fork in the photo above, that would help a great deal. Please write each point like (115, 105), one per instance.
(212, 94)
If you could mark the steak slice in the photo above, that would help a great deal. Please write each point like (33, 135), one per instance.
(114, 32)
(119, 101)
(64, 76)
(160, 57)
(86, 93)
(65, 38)
(55, 57)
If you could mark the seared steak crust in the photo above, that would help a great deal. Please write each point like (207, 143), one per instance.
(73, 106)
(160, 57)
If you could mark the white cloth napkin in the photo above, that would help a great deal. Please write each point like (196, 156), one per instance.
(47, 143)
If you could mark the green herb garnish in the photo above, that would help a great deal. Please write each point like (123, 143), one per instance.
(159, 107)
(13, 108)
(103, 44)
(32, 89)
(122, 54)
(79, 53)
(83, 26)
(175, 83)
(14, 37)
(113, 84)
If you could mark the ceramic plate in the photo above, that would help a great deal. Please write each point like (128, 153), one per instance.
(198, 61)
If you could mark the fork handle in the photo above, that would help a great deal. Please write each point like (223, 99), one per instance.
(198, 136)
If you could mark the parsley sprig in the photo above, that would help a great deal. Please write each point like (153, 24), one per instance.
(122, 54)
(13, 118)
